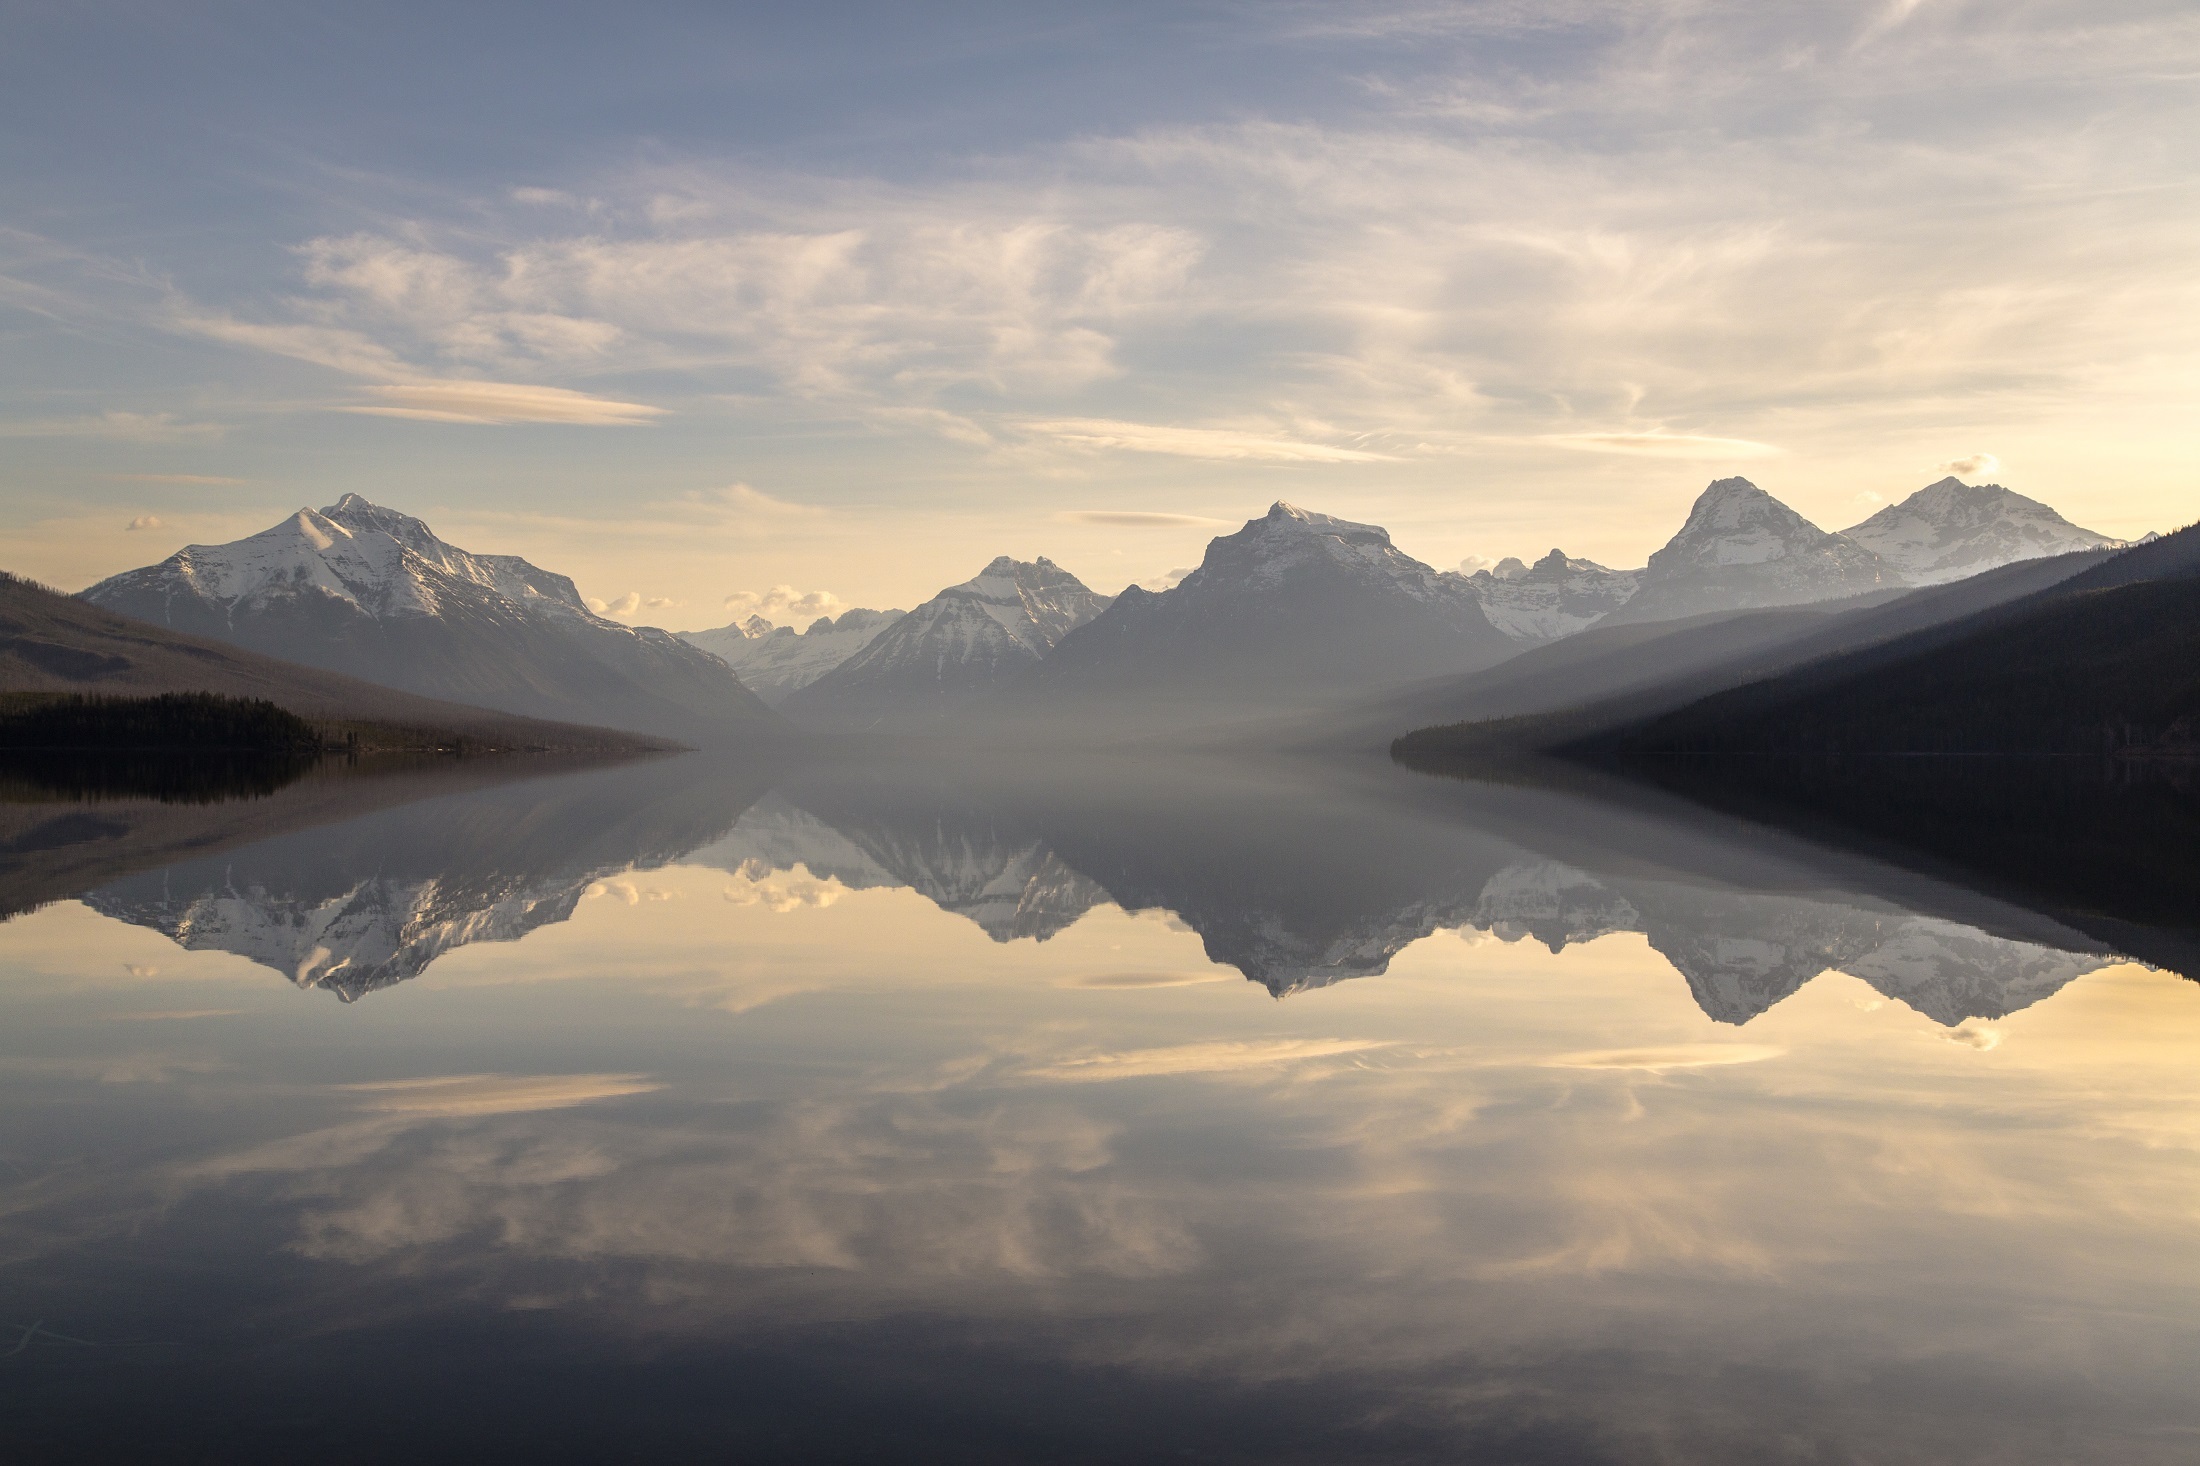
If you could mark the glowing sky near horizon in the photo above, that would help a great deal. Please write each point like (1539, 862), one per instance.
(761, 306)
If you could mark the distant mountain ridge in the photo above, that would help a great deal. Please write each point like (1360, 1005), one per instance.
(969, 640)
(364, 590)
(775, 662)
(1556, 596)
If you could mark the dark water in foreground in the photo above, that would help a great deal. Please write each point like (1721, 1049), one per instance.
(1115, 1112)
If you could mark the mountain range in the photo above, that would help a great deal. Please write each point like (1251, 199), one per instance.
(372, 593)
(774, 662)
(1293, 613)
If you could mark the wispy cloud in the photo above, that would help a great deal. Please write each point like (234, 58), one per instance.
(1663, 445)
(1141, 519)
(129, 427)
(501, 402)
(206, 480)
(1196, 442)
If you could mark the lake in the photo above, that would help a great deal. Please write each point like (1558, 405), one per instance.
(1146, 1108)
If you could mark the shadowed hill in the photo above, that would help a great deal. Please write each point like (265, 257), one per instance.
(2107, 662)
(1612, 676)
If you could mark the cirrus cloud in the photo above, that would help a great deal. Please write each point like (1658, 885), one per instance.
(1196, 442)
(502, 403)
(1140, 519)
(1663, 445)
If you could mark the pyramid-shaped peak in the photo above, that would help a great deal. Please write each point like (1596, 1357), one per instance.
(1730, 504)
(357, 512)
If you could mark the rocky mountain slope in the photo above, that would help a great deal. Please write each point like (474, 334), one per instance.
(967, 641)
(372, 593)
(774, 662)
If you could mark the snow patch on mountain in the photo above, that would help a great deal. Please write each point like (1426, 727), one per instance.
(1950, 529)
(775, 661)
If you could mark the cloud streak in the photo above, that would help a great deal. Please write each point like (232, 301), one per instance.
(485, 403)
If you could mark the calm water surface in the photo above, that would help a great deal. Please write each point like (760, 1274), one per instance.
(1112, 1112)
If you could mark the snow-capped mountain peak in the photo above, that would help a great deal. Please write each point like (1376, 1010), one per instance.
(1740, 548)
(376, 561)
(364, 590)
(967, 640)
(1733, 522)
(1035, 603)
(1950, 529)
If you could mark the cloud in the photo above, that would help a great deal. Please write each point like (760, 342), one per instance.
(132, 427)
(879, 297)
(784, 603)
(1978, 465)
(1663, 445)
(1213, 443)
(145, 521)
(500, 403)
(205, 479)
(1167, 579)
(338, 348)
(1222, 1056)
(746, 500)
(1141, 519)
(632, 603)
(1476, 562)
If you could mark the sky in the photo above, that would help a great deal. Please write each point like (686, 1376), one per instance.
(734, 308)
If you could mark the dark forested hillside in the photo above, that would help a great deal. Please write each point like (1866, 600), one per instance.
(56, 645)
(2109, 662)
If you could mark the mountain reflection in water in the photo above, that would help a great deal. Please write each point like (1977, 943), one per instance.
(837, 1112)
(1297, 879)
